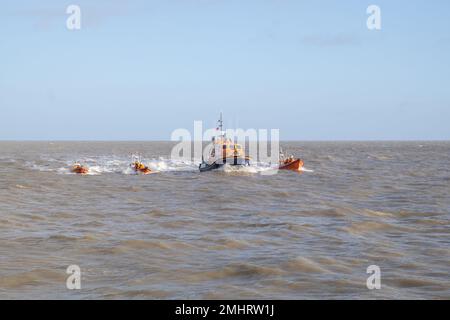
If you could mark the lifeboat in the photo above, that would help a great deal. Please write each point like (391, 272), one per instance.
(224, 152)
(79, 169)
(291, 164)
(139, 167)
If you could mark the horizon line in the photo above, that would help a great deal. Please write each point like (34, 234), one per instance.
(287, 140)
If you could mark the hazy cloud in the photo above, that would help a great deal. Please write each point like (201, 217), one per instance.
(331, 40)
(92, 14)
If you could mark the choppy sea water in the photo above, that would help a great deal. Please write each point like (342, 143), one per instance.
(227, 234)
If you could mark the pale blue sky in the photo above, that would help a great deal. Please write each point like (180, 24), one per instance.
(140, 69)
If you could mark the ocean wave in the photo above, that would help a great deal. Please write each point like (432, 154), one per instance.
(33, 277)
(237, 270)
(105, 165)
(302, 264)
(121, 165)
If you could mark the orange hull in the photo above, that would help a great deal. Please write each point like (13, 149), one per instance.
(80, 170)
(294, 165)
(143, 171)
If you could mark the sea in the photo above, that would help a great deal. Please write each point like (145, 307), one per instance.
(358, 210)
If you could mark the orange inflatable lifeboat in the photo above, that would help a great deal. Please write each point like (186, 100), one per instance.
(79, 169)
(139, 167)
(291, 164)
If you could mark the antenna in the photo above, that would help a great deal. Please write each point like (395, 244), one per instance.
(220, 122)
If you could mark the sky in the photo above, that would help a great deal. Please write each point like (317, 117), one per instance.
(138, 70)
